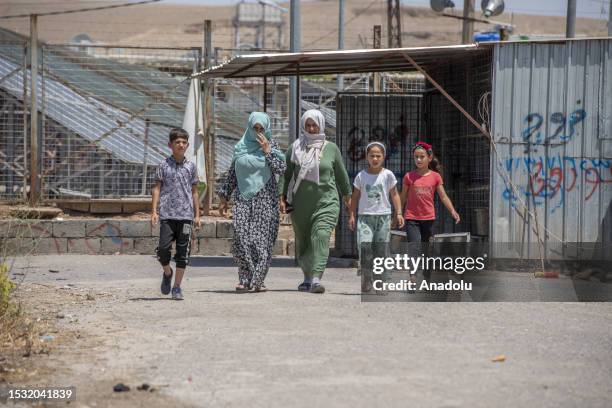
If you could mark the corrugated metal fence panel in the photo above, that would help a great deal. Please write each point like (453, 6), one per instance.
(551, 120)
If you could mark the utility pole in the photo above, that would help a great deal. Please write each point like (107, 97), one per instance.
(394, 27)
(34, 163)
(610, 19)
(467, 33)
(262, 32)
(294, 91)
(208, 100)
(377, 35)
(340, 78)
(570, 28)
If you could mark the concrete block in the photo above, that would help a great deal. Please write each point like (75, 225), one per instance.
(16, 228)
(195, 245)
(5, 228)
(50, 245)
(225, 229)
(136, 228)
(103, 228)
(280, 247)
(90, 246)
(215, 246)
(145, 246)
(208, 230)
(69, 229)
(16, 246)
(291, 247)
(113, 245)
(40, 229)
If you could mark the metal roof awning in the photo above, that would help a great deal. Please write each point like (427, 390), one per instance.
(339, 62)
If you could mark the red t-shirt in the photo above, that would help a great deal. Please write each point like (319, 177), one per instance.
(421, 190)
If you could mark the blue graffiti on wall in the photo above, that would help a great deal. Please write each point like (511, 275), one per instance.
(550, 178)
(558, 131)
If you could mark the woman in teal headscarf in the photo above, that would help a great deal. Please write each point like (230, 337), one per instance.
(256, 162)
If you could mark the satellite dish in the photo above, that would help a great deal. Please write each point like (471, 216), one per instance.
(492, 8)
(440, 5)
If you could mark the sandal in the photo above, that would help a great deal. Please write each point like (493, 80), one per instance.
(254, 289)
(240, 288)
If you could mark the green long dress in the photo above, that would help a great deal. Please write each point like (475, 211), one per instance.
(316, 208)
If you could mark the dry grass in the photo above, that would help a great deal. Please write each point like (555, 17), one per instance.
(18, 330)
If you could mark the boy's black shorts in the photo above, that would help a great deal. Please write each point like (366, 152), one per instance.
(179, 231)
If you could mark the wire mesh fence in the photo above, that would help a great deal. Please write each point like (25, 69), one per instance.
(464, 152)
(235, 99)
(13, 121)
(105, 117)
(393, 119)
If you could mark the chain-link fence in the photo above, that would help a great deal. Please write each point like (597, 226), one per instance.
(13, 121)
(464, 152)
(105, 117)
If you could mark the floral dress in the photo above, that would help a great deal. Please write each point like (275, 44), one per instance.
(255, 222)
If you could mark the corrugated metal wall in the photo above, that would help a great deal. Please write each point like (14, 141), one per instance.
(552, 123)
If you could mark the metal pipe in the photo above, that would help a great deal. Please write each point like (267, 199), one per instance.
(265, 93)
(25, 122)
(570, 30)
(468, 25)
(610, 19)
(340, 78)
(145, 157)
(34, 164)
(294, 46)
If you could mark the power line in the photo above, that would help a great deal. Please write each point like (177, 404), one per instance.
(54, 3)
(53, 13)
(348, 21)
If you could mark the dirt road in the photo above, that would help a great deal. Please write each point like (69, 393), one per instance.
(288, 349)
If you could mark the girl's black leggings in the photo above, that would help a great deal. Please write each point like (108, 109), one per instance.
(419, 230)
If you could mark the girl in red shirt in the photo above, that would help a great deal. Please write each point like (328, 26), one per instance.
(417, 194)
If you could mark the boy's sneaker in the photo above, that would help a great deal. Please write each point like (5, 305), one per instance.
(304, 287)
(166, 283)
(177, 293)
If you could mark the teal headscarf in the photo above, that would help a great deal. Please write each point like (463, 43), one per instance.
(249, 159)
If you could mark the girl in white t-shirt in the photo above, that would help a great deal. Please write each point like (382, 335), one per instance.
(371, 192)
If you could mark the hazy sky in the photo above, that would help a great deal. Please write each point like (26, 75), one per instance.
(585, 8)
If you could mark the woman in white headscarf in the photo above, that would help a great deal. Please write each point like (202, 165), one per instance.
(317, 170)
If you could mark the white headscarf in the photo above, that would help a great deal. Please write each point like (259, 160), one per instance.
(307, 149)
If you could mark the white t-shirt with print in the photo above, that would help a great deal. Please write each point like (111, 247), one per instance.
(374, 199)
